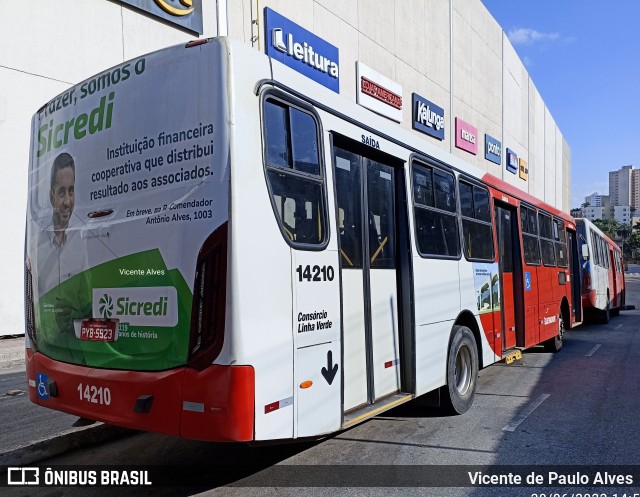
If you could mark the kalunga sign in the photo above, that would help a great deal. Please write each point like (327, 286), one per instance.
(428, 117)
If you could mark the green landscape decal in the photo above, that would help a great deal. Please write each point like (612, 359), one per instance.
(141, 348)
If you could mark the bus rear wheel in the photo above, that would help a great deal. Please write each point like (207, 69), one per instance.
(555, 344)
(462, 372)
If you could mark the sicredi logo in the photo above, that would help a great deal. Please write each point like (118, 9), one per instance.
(492, 149)
(301, 50)
(428, 117)
(466, 136)
(512, 161)
(138, 306)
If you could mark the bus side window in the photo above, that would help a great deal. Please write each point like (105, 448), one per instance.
(294, 175)
(594, 248)
(435, 214)
(477, 230)
(530, 242)
(547, 245)
(561, 243)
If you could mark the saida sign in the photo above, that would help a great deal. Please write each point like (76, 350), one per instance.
(185, 13)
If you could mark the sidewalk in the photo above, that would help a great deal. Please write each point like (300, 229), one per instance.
(30, 432)
(11, 352)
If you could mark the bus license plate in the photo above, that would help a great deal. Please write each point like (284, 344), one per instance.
(98, 331)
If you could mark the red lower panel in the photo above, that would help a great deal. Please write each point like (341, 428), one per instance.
(214, 404)
(227, 396)
(588, 299)
(488, 320)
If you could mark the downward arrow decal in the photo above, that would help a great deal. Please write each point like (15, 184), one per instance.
(330, 371)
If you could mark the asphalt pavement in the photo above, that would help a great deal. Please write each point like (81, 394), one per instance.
(32, 433)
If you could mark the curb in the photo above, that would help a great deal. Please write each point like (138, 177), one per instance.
(11, 356)
(62, 443)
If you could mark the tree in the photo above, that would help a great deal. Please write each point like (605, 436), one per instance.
(632, 247)
(610, 227)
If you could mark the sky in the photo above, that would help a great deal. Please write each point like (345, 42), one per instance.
(584, 58)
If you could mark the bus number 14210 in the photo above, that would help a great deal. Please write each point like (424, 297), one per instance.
(315, 273)
(95, 395)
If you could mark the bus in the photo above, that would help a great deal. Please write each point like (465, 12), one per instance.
(603, 284)
(219, 248)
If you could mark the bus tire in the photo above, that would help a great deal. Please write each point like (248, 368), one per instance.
(555, 344)
(462, 372)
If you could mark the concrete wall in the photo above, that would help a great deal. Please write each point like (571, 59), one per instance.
(451, 52)
(536, 142)
(47, 47)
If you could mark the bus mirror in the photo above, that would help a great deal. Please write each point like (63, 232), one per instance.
(585, 252)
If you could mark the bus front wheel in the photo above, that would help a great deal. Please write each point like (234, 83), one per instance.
(462, 371)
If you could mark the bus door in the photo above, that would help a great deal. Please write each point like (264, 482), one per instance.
(574, 269)
(511, 279)
(366, 211)
(613, 278)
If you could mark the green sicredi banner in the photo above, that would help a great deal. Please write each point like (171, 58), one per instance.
(137, 347)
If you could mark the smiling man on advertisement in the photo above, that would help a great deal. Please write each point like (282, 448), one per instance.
(60, 253)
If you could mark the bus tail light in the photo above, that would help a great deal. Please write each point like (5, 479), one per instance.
(209, 300)
(195, 43)
(29, 315)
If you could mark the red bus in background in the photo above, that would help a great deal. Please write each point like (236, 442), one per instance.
(545, 277)
(603, 285)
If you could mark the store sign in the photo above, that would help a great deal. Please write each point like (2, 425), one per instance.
(523, 169)
(512, 161)
(492, 149)
(378, 93)
(428, 117)
(301, 50)
(466, 136)
(184, 13)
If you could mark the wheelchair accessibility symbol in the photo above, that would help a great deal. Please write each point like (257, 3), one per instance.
(527, 281)
(41, 386)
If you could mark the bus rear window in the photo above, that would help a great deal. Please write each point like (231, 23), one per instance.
(477, 230)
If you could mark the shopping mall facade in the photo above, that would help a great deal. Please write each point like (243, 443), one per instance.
(446, 67)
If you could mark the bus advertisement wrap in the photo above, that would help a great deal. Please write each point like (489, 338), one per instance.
(119, 181)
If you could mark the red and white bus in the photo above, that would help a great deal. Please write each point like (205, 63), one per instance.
(219, 248)
(603, 284)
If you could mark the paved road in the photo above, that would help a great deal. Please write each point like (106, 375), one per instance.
(577, 407)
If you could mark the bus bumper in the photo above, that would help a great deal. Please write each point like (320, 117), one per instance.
(215, 404)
